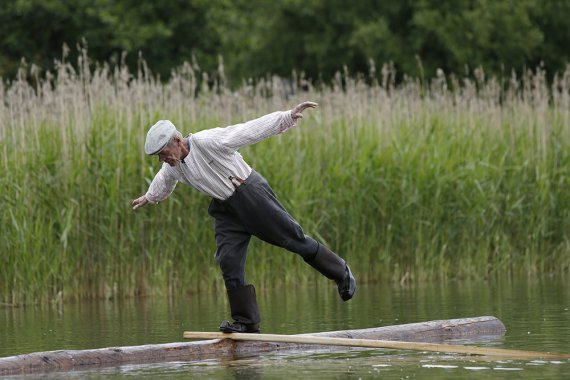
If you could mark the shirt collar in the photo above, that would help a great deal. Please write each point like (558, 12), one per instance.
(187, 139)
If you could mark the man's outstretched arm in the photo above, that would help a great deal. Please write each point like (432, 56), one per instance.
(251, 132)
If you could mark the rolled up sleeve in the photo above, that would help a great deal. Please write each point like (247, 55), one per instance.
(161, 186)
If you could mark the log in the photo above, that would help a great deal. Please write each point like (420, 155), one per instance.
(432, 331)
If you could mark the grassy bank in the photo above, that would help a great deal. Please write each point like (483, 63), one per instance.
(421, 180)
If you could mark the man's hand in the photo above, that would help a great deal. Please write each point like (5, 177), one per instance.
(297, 111)
(139, 202)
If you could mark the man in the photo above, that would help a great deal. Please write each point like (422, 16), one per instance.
(243, 204)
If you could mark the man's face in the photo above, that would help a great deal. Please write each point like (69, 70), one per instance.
(171, 154)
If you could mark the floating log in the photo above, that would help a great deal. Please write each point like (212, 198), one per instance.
(432, 331)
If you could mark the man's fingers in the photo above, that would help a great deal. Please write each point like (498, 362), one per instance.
(308, 104)
(297, 111)
(139, 202)
(305, 105)
(139, 205)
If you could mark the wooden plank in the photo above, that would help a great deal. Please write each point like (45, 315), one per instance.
(432, 331)
(372, 343)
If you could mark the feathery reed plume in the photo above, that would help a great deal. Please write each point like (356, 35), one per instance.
(429, 177)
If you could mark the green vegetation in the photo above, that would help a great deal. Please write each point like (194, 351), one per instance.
(261, 37)
(451, 178)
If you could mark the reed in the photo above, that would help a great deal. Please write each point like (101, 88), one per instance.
(452, 177)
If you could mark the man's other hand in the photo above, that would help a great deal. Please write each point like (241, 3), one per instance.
(139, 202)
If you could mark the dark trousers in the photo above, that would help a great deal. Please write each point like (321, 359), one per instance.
(253, 209)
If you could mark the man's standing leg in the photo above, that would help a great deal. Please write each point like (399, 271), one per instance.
(232, 240)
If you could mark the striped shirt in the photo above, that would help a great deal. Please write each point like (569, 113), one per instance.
(213, 157)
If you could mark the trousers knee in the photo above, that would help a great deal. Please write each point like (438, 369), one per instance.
(306, 247)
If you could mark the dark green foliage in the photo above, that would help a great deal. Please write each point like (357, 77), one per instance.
(166, 33)
(260, 37)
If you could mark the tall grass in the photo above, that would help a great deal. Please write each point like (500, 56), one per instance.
(451, 177)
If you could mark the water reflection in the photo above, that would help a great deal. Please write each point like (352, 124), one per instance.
(337, 364)
(536, 314)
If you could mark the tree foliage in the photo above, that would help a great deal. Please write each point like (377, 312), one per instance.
(318, 37)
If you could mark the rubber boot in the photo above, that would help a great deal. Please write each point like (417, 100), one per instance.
(333, 267)
(245, 312)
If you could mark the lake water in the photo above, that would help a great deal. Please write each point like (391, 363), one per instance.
(535, 312)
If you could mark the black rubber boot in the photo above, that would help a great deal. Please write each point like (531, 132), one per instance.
(333, 267)
(245, 312)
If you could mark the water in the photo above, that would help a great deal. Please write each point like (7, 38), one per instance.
(535, 312)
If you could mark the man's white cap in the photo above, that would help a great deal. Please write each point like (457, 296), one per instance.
(158, 136)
